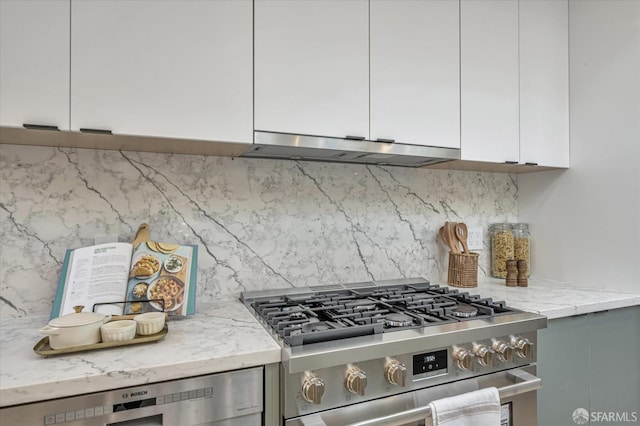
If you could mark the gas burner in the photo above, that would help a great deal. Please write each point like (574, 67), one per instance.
(297, 316)
(464, 311)
(321, 314)
(397, 320)
(362, 304)
(311, 327)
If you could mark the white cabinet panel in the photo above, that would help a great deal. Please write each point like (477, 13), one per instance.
(489, 80)
(34, 63)
(415, 72)
(312, 67)
(544, 82)
(163, 68)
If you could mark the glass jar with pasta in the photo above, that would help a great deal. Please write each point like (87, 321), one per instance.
(522, 244)
(501, 248)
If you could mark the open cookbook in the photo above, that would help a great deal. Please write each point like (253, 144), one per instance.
(122, 279)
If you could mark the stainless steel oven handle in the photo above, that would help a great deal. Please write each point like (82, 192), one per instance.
(524, 383)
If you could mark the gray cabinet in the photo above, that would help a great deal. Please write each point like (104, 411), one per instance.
(614, 360)
(589, 361)
(563, 365)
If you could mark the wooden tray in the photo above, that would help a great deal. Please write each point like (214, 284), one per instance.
(42, 348)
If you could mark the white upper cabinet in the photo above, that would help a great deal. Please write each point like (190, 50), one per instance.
(163, 68)
(515, 81)
(489, 80)
(544, 82)
(415, 72)
(487, 76)
(34, 63)
(312, 67)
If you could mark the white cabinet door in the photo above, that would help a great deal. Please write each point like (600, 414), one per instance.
(312, 67)
(489, 80)
(415, 72)
(163, 68)
(544, 82)
(34, 63)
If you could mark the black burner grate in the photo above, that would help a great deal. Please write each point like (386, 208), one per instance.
(333, 312)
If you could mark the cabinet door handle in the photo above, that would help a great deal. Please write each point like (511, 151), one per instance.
(40, 127)
(96, 131)
(510, 162)
(385, 140)
(355, 138)
(530, 164)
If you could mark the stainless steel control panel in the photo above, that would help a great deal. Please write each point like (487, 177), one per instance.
(320, 389)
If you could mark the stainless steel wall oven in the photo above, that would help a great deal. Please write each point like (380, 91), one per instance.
(376, 353)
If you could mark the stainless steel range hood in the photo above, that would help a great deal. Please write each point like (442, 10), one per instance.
(318, 148)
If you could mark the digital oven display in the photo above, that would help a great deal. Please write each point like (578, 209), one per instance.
(134, 404)
(429, 364)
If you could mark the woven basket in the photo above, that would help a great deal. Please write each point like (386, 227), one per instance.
(463, 270)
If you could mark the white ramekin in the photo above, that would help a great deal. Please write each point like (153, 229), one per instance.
(118, 331)
(150, 322)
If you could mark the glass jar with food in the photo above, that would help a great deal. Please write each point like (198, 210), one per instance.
(501, 249)
(522, 244)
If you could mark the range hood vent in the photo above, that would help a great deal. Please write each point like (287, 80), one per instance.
(318, 148)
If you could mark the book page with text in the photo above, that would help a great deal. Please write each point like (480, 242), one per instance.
(97, 274)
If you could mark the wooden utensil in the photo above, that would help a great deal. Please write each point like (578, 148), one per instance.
(449, 228)
(445, 235)
(142, 235)
(462, 234)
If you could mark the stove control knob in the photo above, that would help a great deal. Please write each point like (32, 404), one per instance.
(524, 348)
(504, 351)
(463, 358)
(312, 389)
(356, 380)
(395, 372)
(484, 355)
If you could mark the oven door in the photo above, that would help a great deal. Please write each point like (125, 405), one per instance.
(517, 390)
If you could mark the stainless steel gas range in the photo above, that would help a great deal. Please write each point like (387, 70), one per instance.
(376, 353)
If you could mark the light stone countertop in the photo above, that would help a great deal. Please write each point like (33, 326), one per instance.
(555, 299)
(220, 337)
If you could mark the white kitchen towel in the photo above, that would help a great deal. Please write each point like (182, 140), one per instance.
(477, 408)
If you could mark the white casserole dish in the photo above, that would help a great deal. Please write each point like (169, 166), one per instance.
(78, 329)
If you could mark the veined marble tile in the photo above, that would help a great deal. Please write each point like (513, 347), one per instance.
(259, 224)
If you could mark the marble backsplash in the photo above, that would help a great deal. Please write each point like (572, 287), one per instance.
(259, 223)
